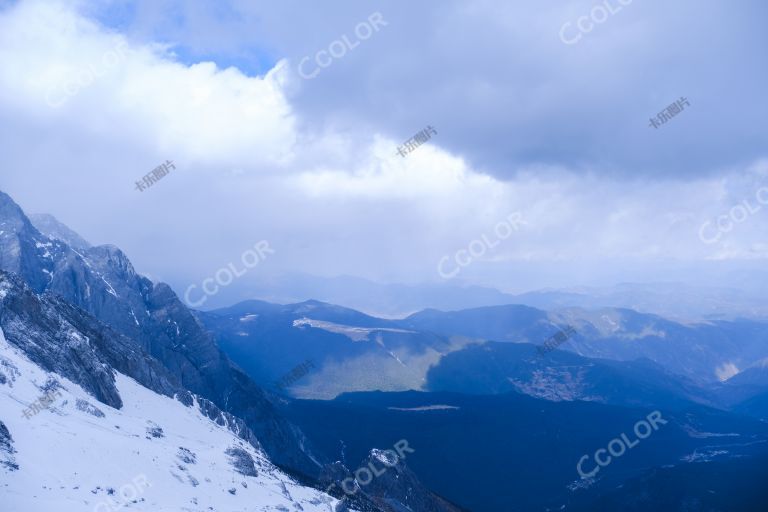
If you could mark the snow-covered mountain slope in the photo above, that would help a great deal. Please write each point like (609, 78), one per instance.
(102, 281)
(155, 453)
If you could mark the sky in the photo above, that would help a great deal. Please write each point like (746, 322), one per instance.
(282, 122)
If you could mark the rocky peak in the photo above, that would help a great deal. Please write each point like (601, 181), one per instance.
(52, 228)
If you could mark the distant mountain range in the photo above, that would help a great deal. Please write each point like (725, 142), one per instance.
(703, 352)
(614, 356)
(676, 301)
(349, 350)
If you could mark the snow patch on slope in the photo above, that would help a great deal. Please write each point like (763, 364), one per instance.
(72, 458)
(725, 371)
(425, 408)
(351, 332)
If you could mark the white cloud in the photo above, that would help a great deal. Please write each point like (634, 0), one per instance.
(335, 201)
(57, 64)
(383, 174)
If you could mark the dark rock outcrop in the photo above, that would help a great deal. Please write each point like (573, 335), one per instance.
(242, 461)
(7, 460)
(63, 339)
(395, 488)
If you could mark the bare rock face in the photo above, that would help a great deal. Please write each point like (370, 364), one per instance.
(7, 460)
(241, 461)
(386, 479)
(382, 482)
(63, 339)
